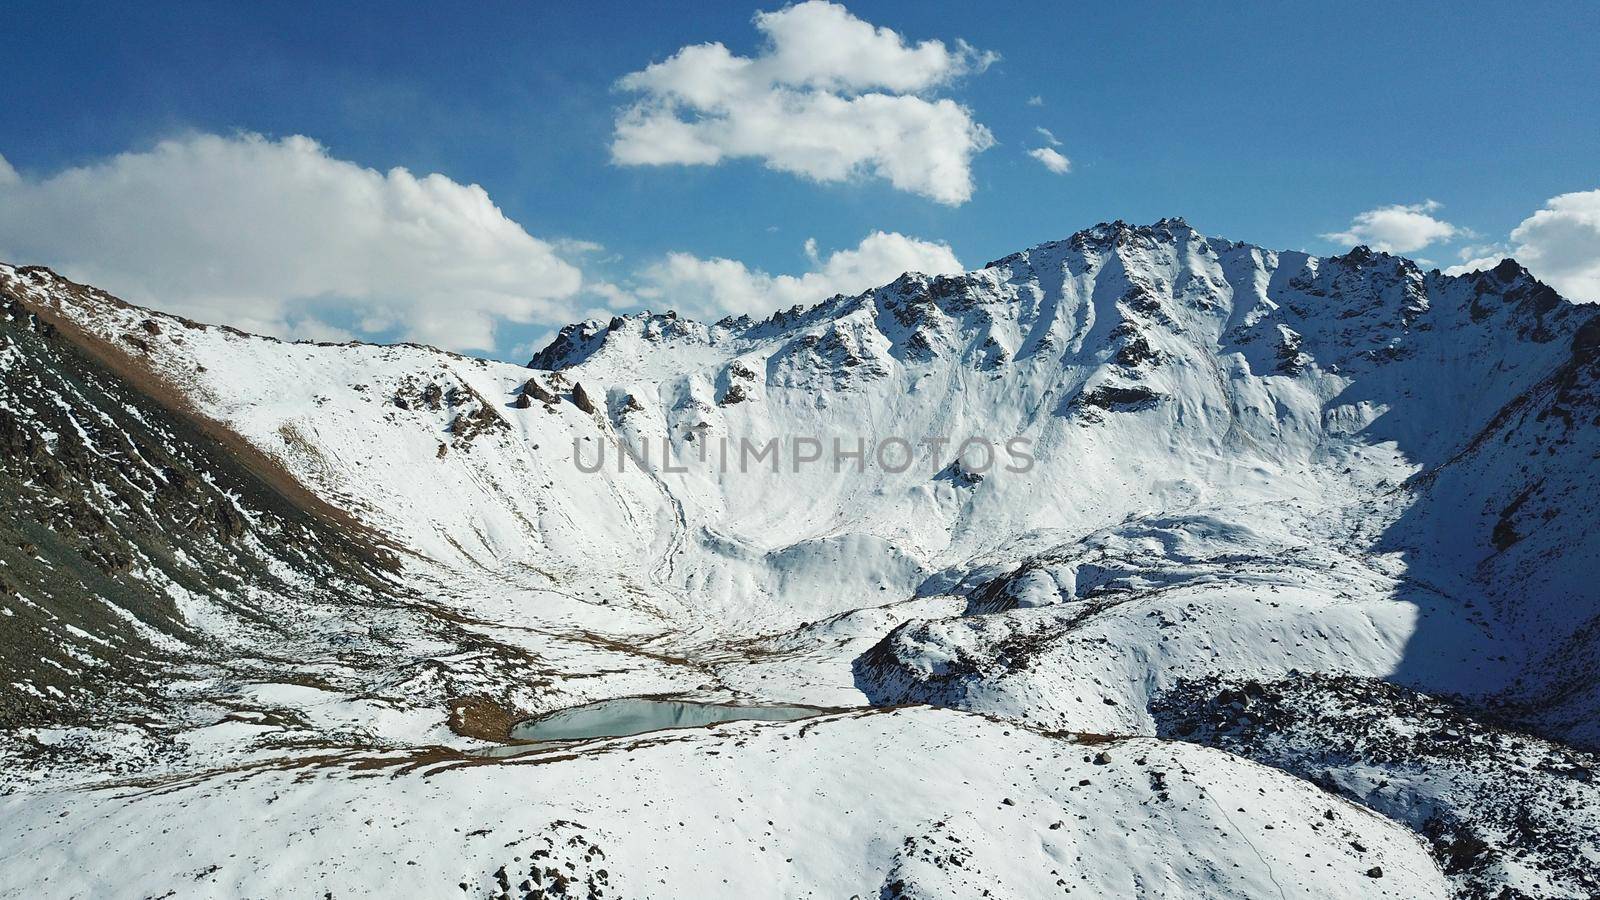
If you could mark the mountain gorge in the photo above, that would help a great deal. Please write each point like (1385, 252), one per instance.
(1286, 593)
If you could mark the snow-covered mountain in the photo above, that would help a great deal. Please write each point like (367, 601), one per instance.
(1329, 514)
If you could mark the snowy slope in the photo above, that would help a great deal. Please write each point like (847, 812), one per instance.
(1246, 464)
(1503, 811)
(891, 804)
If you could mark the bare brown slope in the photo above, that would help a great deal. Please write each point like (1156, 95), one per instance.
(120, 517)
(129, 364)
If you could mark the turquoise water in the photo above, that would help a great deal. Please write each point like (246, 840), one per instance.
(635, 715)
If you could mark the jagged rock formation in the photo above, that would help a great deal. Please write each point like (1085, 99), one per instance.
(581, 399)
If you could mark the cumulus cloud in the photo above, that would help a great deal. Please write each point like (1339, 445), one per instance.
(711, 288)
(1560, 244)
(1036, 100)
(1048, 135)
(1397, 229)
(829, 98)
(277, 236)
(1052, 160)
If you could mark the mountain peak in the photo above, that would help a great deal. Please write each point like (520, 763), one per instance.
(1266, 496)
(1509, 270)
(1166, 257)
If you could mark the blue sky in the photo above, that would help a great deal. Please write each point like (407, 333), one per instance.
(1276, 123)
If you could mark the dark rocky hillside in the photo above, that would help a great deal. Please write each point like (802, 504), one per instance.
(125, 526)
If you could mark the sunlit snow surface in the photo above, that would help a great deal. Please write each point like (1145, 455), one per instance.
(1249, 465)
(919, 802)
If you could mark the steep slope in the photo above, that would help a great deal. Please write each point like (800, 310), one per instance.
(134, 546)
(1157, 460)
(1205, 400)
(1483, 614)
(171, 597)
(1518, 493)
(1506, 814)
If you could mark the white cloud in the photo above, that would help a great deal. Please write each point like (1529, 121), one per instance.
(1036, 100)
(278, 236)
(1476, 251)
(1560, 244)
(1048, 135)
(820, 44)
(830, 97)
(711, 288)
(614, 296)
(8, 175)
(1052, 160)
(1397, 229)
(313, 329)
